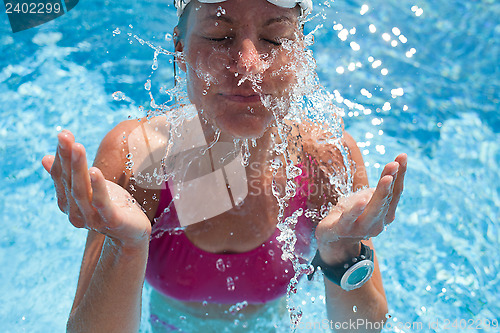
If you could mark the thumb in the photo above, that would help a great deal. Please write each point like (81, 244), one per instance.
(47, 162)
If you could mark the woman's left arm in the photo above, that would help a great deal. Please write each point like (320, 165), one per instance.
(353, 219)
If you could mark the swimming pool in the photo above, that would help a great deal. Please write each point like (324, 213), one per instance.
(439, 259)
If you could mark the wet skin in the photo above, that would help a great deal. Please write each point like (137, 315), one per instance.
(234, 58)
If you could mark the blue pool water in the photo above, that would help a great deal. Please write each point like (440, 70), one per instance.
(439, 259)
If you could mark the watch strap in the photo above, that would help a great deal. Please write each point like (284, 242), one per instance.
(335, 273)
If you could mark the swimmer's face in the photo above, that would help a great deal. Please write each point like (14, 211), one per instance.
(238, 56)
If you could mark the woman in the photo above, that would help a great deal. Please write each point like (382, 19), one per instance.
(237, 56)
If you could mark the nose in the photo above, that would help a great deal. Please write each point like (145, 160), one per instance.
(249, 60)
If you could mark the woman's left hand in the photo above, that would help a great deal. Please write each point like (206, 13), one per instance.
(361, 215)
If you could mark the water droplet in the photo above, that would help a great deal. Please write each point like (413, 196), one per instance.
(117, 31)
(119, 96)
(154, 66)
(221, 11)
(233, 309)
(230, 283)
(355, 309)
(276, 163)
(168, 37)
(220, 265)
(129, 165)
(147, 85)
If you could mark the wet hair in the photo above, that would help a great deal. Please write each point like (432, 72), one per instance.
(183, 20)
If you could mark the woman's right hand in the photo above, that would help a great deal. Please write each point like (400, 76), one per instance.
(91, 201)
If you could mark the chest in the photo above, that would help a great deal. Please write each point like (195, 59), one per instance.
(247, 222)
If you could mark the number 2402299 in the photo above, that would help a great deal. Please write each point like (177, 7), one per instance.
(33, 8)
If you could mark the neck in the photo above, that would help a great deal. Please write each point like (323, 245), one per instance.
(260, 152)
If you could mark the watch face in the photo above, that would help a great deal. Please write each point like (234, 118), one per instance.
(357, 275)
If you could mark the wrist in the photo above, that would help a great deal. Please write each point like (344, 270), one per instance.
(350, 274)
(339, 251)
(123, 248)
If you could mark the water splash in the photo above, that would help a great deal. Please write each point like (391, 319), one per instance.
(305, 99)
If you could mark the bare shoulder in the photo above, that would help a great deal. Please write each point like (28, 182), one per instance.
(318, 142)
(112, 153)
(352, 145)
(322, 143)
(129, 141)
(327, 153)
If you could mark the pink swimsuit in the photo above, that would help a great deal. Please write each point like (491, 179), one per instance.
(179, 269)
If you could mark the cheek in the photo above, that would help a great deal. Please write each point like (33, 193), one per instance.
(195, 88)
(286, 68)
(210, 64)
(199, 84)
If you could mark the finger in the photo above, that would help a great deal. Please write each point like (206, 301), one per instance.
(60, 171)
(402, 159)
(390, 169)
(56, 171)
(63, 155)
(81, 189)
(47, 162)
(379, 203)
(100, 196)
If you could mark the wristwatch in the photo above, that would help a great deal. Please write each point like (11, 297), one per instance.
(349, 275)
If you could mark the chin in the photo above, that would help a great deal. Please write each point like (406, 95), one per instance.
(244, 126)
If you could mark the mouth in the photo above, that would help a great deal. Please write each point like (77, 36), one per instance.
(243, 98)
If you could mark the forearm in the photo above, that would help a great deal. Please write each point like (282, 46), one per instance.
(112, 301)
(359, 310)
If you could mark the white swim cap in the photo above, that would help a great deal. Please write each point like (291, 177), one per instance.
(305, 5)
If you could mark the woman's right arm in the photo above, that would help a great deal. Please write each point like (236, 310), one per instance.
(109, 292)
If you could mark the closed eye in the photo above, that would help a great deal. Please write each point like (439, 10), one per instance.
(218, 39)
(274, 42)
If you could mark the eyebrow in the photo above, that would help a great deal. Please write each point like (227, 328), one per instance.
(218, 18)
(278, 20)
